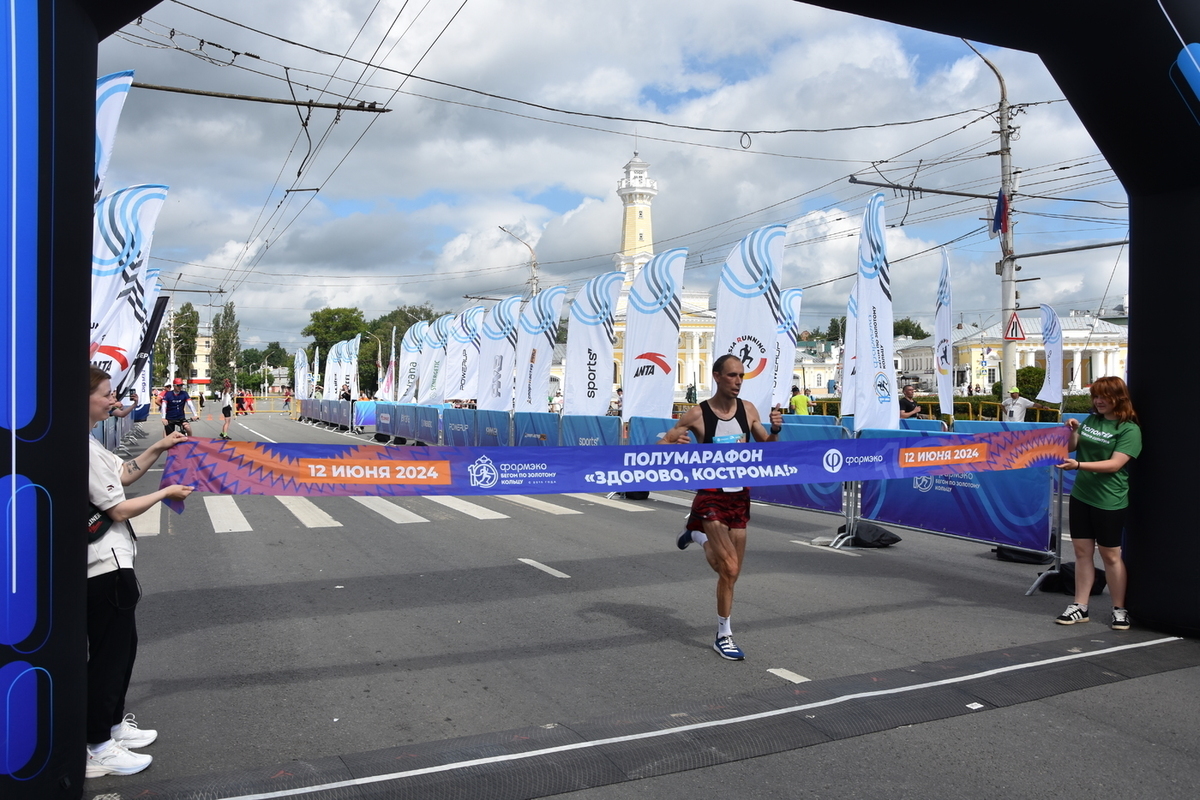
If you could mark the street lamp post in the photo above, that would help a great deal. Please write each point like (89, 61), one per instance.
(533, 265)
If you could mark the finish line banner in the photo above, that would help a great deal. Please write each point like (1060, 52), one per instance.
(313, 470)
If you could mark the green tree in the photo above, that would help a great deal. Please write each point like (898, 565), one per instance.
(1029, 381)
(250, 359)
(908, 327)
(328, 326)
(226, 345)
(275, 355)
(837, 329)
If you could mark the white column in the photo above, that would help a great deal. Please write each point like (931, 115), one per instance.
(1076, 376)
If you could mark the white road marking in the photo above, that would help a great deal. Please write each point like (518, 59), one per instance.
(256, 433)
(665, 733)
(788, 675)
(225, 516)
(466, 507)
(827, 549)
(149, 523)
(307, 512)
(672, 499)
(395, 513)
(543, 568)
(601, 500)
(537, 505)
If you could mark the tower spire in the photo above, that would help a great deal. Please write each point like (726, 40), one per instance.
(636, 191)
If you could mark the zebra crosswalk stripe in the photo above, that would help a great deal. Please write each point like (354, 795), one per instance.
(225, 516)
(466, 507)
(537, 505)
(393, 512)
(308, 513)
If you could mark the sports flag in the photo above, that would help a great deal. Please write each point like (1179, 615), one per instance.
(111, 91)
(875, 404)
(300, 369)
(850, 352)
(652, 336)
(1052, 340)
(497, 349)
(315, 372)
(433, 360)
(590, 340)
(122, 231)
(786, 334)
(462, 354)
(410, 362)
(145, 347)
(943, 351)
(387, 387)
(748, 312)
(350, 363)
(535, 349)
(332, 370)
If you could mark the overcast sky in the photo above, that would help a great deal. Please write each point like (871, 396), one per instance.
(410, 201)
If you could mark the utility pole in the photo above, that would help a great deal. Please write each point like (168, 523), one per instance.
(533, 265)
(171, 341)
(1006, 267)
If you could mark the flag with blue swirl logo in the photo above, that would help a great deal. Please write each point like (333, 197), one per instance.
(652, 336)
(433, 361)
(497, 349)
(1052, 340)
(786, 334)
(588, 370)
(535, 348)
(875, 402)
(462, 354)
(410, 362)
(111, 91)
(943, 351)
(748, 312)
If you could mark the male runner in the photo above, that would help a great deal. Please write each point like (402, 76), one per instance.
(174, 404)
(719, 516)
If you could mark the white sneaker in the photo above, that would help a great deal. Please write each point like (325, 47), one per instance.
(130, 736)
(115, 760)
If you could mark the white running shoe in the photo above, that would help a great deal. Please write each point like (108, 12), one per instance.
(128, 734)
(115, 760)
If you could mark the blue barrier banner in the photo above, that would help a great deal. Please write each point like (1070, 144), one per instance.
(458, 426)
(648, 430)
(364, 413)
(383, 418)
(535, 429)
(405, 422)
(493, 428)
(581, 431)
(809, 419)
(816, 496)
(914, 424)
(1010, 508)
(233, 467)
(342, 412)
(429, 424)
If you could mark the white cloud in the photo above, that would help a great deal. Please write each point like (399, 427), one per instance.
(409, 214)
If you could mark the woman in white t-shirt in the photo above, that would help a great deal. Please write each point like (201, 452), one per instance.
(226, 407)
(113, 593)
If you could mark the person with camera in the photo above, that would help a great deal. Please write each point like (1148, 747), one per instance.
(113, 592)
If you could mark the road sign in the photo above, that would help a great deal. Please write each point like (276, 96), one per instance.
(1013, 332)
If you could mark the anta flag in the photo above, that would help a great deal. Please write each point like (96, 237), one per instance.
(1052, 340)
(462, 354)
(111, 91)
(433, 361)
(652, 336)
(590, 340)
(875, 402)
(497, 349)
(748, 312)
(786, 334)
(943, 351)
(535, 349)
(410, 362)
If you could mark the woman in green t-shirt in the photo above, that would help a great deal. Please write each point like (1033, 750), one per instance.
(1104, 444)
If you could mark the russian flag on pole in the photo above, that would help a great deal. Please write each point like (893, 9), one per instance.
(1000, 218)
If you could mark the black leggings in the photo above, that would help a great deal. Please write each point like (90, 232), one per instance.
(112, 648)
(1102, 524)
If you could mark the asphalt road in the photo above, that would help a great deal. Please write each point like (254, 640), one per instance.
(272, 630)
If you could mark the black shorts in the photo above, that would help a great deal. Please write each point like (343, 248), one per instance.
(730, 508)
(226, 411)
(171, 424)
(1104, 525)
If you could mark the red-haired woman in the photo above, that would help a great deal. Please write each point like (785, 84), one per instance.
(1104, 444)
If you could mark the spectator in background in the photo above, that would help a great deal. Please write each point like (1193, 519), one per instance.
(1014, 406)
(908, 407)
(799, 402)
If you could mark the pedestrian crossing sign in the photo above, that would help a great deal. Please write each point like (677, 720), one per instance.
(1013, 332)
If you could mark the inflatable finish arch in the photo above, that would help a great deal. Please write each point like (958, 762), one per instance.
(1119, 63)
(1131, 71)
